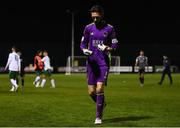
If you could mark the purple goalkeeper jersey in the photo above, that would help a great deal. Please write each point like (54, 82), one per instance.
(93, 36)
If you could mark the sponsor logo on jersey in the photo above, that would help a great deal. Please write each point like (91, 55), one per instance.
(96, 42)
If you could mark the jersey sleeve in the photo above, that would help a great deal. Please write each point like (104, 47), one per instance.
(9, 61)
(114, 41)
(43, 59)
(85, 39)
(136, 61)
(146, 61)
(35, 62)
(19, 63)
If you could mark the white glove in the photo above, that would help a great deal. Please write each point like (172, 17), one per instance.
(87, 52)
(101, 47)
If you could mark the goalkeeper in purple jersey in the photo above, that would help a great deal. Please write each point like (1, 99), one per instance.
(98, 40)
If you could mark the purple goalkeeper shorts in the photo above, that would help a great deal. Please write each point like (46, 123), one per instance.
(96, 74)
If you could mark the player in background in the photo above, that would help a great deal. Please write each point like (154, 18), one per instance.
(97, 43)
(14, 68)
(22, 73)
(141, 62)
(166, 70)
(47, 70)
(38, 67)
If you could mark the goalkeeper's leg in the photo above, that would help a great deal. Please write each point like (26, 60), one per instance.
(99, 102)
(91, 83)
(92, 92)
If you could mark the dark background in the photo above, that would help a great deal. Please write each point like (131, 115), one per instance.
(149, 25)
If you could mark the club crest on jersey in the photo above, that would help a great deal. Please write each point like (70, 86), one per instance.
(105, 34)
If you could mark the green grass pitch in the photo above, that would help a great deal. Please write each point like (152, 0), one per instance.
(68, 105)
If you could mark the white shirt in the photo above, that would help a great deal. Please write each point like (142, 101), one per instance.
(47, 64)
(13, 62)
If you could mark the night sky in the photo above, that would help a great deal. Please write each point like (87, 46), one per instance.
(149, 25)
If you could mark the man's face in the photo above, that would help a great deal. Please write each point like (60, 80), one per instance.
(44, 53)
(141, 53)
(12, 49)
(164, 57)
(96, 16)
(40, 53)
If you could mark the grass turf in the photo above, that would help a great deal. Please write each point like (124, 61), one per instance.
(68, 105)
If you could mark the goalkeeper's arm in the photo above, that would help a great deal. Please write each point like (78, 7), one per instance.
(87, 51)
(103, 47)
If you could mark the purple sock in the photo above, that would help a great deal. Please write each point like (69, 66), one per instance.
(99, 104)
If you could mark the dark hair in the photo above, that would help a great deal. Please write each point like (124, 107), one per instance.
(38, 51)
(165, 56)
(45, 51)
(97, 8)
(14, 48)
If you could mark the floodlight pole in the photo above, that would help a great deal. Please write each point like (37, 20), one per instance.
(72, 12)
(72, 38)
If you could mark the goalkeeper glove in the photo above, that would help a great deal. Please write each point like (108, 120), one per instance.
(87, 52)
(101, 47)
